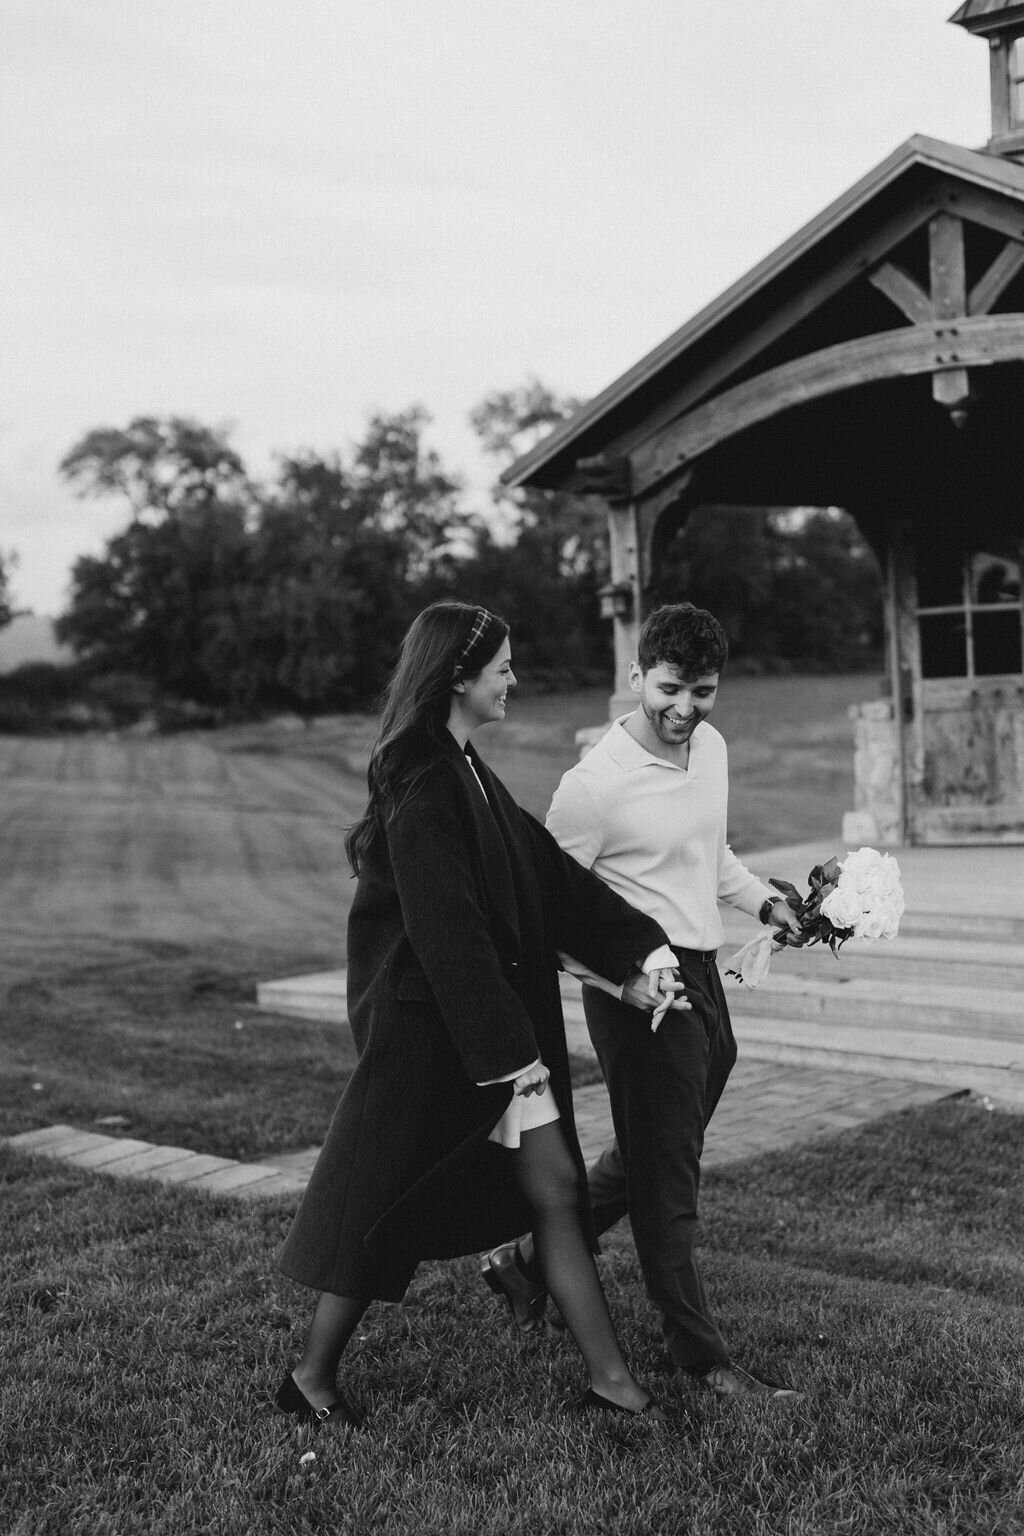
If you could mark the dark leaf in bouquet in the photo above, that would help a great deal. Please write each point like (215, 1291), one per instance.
(789, 891)
(830, 871)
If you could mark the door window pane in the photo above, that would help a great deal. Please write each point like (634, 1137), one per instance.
(997, 642)
(940, 576)
(994, 579)
(943, 644)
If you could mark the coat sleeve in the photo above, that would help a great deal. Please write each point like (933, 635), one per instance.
(436, 876)
(586, 917)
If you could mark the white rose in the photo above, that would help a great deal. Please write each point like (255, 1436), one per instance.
(858, 872)
(890, 927)
(870, 926)
(842, 907)
(889, 875)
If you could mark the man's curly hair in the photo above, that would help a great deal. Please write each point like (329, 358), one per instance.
(682, 636)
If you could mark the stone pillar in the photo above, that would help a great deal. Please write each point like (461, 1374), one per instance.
(877, 817)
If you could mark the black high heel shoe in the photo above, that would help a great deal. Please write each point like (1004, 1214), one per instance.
(503, 1271)
(291, 1399)
(592, 1401)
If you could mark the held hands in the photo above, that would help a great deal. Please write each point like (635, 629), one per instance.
(655, 993)
(533, 1080)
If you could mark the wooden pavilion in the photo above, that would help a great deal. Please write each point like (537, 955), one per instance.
(875, 362)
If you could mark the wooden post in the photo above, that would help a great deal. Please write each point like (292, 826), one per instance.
(624, 548)
(950, 386)
(906, 665)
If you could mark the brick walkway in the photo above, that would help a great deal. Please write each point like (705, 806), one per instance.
(767, 1106)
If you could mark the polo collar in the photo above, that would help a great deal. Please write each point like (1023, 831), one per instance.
(629, 754)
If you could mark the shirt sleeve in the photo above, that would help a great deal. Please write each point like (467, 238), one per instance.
(737, 887)
(574, 820)
(509, 1077)
(659, 959)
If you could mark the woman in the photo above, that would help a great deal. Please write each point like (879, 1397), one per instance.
(456, 1129)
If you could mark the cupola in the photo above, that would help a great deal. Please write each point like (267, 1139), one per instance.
(1002, 23)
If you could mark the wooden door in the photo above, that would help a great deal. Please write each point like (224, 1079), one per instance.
(961, 643)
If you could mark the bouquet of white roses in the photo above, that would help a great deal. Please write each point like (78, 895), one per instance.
(859, 897)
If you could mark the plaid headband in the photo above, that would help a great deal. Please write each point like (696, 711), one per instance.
(479, 625)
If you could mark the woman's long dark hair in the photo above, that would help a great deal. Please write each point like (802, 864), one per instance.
(445, 643)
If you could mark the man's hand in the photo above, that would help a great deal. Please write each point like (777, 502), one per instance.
(787, 926)
(657, 989)
(655, 993)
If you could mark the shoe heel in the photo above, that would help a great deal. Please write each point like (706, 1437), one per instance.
(490, 1278)
(289, 1399)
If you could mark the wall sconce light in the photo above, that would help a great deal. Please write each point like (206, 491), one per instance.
(616, 600)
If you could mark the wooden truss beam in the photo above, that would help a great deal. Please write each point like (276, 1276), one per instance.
(936, 348)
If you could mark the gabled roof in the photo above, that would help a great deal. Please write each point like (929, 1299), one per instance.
(987, 15)
(580, 434)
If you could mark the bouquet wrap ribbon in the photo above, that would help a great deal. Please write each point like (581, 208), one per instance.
(751, 962)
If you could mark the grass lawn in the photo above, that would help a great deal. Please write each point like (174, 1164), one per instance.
(881, 1271)
(145, 887)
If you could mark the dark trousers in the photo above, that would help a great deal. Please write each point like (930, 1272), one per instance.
(663, 1089)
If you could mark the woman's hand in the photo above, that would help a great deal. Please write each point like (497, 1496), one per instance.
(533, 1080)
(654, 993)
(663, 988)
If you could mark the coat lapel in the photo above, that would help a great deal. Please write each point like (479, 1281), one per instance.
(507, 815)
(495, 861)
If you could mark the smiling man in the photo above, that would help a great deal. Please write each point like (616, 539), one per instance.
(646, 810)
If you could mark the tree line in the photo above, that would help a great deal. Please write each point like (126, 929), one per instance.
(237, 596)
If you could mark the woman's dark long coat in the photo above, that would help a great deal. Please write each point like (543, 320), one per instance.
(452, 982)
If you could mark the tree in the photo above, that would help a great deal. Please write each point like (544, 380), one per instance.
(332, 587)
(543, 563)
(160, 467)
(570, 532)
(399, 486)
(827, 609)
(8, 560)
(291, 594)
(799, 585)
(163, 601)
(722, 559)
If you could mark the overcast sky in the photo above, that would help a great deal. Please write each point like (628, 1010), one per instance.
(283, 215)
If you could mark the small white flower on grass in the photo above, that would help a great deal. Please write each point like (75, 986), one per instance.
(307, 1458)
(38, 1087)
(239, 1024)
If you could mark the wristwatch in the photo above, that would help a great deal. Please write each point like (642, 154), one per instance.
(764, 914)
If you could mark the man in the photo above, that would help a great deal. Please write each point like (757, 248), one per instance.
(646, 810)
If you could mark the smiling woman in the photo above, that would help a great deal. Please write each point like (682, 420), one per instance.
(483, 698)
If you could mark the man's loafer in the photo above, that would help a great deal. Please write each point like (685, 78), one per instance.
(503, 1271)
(733, 1381)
